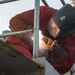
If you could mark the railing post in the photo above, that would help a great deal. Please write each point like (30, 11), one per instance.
(36, 29)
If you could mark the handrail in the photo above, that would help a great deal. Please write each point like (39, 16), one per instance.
(45, 3)
(63, 2)
(15, 33)
(36, 29)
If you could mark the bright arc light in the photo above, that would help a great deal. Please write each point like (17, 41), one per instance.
(40, 37)
(41, 47)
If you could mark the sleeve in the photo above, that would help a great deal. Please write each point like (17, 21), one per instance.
(45, 16)
(22, 21)
(60, 60)
(47, 12)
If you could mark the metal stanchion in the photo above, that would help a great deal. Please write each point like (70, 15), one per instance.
(45, 3)
(15, 33)
(36, 29)
(63, 2)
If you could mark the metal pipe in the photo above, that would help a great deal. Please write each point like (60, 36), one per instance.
(36, 29)
(6, 1)
(45, 3)
(15, 33)
(63, 2)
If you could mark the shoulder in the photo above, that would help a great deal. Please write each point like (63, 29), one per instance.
(47, 8)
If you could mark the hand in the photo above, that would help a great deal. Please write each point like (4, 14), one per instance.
(47, 43)
(53, 45)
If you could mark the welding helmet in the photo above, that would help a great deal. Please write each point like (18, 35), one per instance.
(62, 23)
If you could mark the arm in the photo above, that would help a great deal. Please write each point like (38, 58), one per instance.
(25, 20)
(22, 21)
(60, 60)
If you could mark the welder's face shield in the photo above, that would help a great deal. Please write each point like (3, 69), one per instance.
(53, 29)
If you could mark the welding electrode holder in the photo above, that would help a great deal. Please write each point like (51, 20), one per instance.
(49, 42)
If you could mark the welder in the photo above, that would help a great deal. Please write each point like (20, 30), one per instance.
(59, 28)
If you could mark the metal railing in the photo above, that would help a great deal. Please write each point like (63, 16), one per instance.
(36, 30)
(15, 33)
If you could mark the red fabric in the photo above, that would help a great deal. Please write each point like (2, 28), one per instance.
(69, 45)
(21, 22)
(18, 45)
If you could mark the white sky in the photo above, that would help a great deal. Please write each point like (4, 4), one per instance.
(10, 9)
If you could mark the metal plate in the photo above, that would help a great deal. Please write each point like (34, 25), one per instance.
(11, 60)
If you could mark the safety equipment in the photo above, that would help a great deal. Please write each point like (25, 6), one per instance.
(62, 23)
(53, 28)
(54, 50)
(58, 54)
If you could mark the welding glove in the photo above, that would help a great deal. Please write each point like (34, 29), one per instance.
(58, 54)
(47, 43)
(44, 47)
(55, 52)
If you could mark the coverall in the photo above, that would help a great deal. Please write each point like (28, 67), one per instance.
(23, 20)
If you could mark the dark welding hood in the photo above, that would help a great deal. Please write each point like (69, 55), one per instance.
(64, 18)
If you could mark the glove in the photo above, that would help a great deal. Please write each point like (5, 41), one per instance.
(47, 42)
(44, 47)
(54, 51)
(58, 54)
